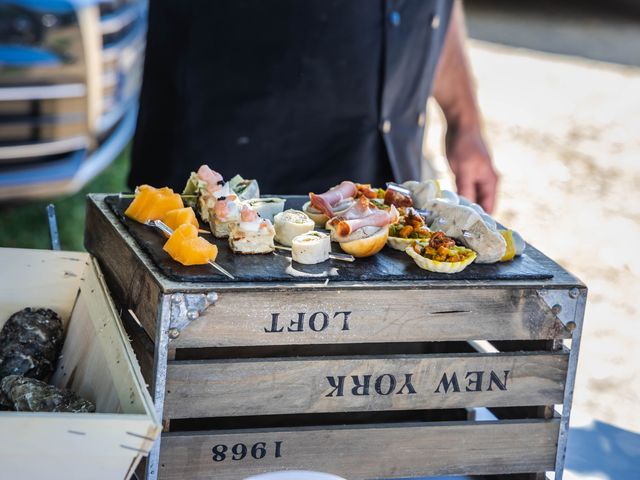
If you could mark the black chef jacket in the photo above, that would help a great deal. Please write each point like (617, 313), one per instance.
(299, 94)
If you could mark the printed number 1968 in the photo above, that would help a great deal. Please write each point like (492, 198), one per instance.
(240, 450)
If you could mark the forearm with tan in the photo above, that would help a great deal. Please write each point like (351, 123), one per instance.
(454, 90)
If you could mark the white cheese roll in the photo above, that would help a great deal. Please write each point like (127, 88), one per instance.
(311, 248)
(290, 224)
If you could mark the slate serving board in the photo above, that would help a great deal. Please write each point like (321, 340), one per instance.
(388, 265)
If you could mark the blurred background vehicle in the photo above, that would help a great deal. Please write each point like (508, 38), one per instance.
(70, 74)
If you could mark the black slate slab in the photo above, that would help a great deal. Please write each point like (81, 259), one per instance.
(389, 265)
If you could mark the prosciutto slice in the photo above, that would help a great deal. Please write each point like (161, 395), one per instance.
(326, 201)
(361, 208)
(377, 218)
(212, 178)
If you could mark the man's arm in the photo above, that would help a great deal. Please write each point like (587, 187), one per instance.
(454, 90)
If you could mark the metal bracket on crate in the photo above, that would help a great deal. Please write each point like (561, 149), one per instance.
(563, 304)
(187, 307)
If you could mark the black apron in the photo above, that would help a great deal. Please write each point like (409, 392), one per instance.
(299, 94)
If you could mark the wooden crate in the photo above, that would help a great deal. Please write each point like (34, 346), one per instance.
(97, 362)
(360, 379)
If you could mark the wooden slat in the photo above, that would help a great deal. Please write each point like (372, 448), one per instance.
(104, 446)
(39, 279)
(130, 282)
(198, 389)
(368, 451)
(357, 316)
(95, 347)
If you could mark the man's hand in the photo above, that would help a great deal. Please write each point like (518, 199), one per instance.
(471, 164)
(454, 91)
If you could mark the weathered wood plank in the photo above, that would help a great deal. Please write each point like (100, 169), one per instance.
(361, 316)
(198, 389)
(130, 281)
(364, 452)
(142, 346)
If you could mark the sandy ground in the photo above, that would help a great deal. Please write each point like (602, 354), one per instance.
(565, 136)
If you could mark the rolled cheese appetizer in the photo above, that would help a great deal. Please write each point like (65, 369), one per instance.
(290, 224)
(311, 248)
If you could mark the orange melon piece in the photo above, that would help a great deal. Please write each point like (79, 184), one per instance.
(186, 247)
(153, 203)
(179, 216)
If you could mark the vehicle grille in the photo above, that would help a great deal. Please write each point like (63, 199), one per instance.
(123, 26)
(42, 89)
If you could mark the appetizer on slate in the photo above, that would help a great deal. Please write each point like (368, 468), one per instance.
(153, 203)
(226, 214)
(204, 184)
(362, 230)
(333, 202)
(410, 228)
(290, 224)
(179, 216)
(311, 248)
(252, 234)
(186, 247)
(441, 254)
(361, 218)
(267, 207)
(245, 189)
(465, 225)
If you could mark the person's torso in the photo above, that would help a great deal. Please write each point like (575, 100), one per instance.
(298, 94)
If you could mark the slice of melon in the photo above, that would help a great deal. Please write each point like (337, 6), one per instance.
(153, 203)
(179, 216)
(186, 247)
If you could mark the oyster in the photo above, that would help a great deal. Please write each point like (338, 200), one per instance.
(31, 395)
(30, 343)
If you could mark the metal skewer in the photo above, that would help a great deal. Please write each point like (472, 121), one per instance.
(160, 225)
(133, 195)
(53, 227)
(343, 257)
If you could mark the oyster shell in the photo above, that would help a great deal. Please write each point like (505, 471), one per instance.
(31, 395)
(30, 343)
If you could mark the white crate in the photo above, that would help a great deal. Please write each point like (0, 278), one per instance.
(97, 363)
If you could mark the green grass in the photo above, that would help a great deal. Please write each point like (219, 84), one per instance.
(25, 226)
